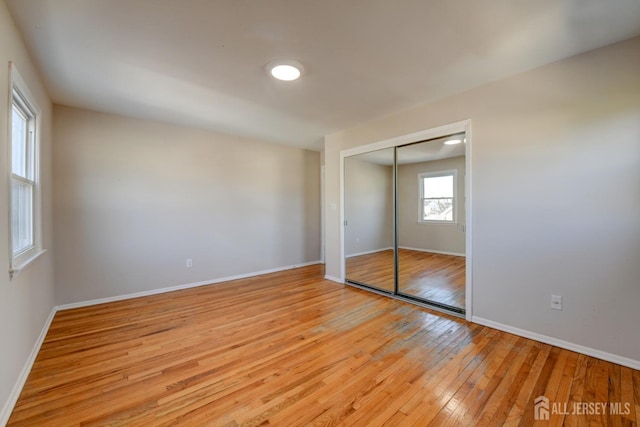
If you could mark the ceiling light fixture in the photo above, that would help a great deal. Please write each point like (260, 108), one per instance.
(453, 141)
(285, 70)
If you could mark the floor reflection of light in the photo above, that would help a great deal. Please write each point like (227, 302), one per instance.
(445, 398)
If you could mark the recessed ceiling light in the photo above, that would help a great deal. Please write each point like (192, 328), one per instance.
(285, 70)
(453, 141)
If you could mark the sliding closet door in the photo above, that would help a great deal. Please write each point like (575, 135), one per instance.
(431, 221)
(369, 219)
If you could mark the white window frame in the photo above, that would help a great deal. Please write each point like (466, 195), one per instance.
(19, 94)
(421, 177)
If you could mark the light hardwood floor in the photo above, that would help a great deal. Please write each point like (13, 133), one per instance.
(292, 349)
(431, 276)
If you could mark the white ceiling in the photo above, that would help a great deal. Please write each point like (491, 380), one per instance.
(201, 62)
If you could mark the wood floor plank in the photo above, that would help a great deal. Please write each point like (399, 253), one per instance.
(291, 348)
(559, 386)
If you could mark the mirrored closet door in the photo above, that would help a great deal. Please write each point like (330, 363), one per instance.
(405, 221)
(368, 212)
(431, 221)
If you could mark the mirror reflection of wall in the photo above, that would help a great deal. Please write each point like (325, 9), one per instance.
(368, 211)
(429, 231)
(431, 221)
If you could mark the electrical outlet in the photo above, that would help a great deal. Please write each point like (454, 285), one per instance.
(189, 263)
(556, 302)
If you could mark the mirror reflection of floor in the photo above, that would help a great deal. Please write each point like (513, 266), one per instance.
(436, 277)
(375, 269)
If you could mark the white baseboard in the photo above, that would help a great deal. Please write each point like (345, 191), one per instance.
(431, 251)
(334, 279)
(24, 374)
(390, 248)
(180, 287)
(609, 357)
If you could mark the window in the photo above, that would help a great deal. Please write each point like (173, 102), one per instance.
(437, 197)
(25, 228)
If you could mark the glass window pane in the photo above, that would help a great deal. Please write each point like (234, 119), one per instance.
(438, 210)
(21, 216)
(439, 186)
(18, 143)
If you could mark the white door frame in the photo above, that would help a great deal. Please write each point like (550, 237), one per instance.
(437, 132)
(322, 217)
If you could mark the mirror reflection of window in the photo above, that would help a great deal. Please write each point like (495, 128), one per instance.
(437, 195)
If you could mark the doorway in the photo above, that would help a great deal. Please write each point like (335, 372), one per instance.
(406, 214)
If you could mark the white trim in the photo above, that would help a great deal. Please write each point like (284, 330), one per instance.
(468, 223)
(334, 279)
(17, 80)
(423, 135)
(343, 259)
(433, 251)
(7, 409)
(390, 248)
(322, 217)
(599, 354)
(18, 267)
(180, 287)
(17, 84)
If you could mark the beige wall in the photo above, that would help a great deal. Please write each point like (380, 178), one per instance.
(555, 159)
(27, 300)
(448, 238)
(368, 206)
(134, 199)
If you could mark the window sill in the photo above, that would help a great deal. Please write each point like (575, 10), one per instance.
(437, 223)
(17, 269)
